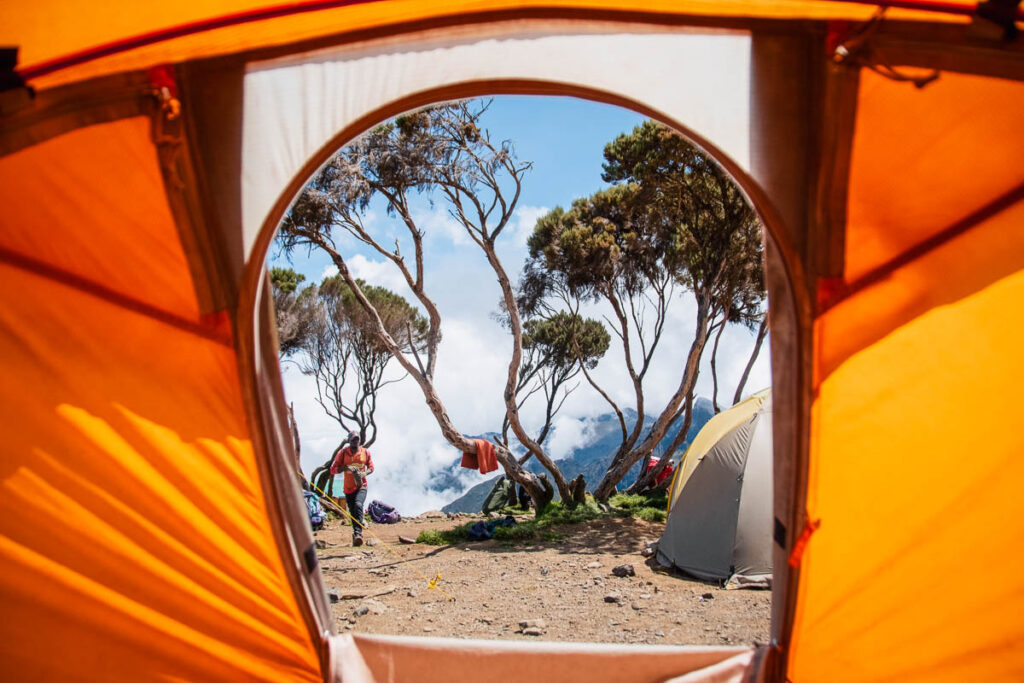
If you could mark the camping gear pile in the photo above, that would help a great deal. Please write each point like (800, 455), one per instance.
(150, 523)
(502, 495)
(483, 531)
(382, 513)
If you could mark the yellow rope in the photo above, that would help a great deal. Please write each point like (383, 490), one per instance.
(432, 584)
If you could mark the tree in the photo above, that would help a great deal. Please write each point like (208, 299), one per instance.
(556, 349)
(337, 346)
(672, 217)
(294, 312)
(343, 353)
(439, 151)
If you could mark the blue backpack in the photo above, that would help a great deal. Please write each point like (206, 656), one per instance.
(317, 516)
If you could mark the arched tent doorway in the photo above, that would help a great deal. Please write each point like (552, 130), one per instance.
(141, 447)
(280, 95)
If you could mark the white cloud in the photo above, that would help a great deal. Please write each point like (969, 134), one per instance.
(381, 273)
(435, 221)
(525, 219)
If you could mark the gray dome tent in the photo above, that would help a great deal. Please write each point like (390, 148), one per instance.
(720, 502)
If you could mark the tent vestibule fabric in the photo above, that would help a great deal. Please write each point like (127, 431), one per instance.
(150, 521)
(720, 504)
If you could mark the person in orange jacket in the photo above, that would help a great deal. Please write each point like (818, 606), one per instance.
(356, 463)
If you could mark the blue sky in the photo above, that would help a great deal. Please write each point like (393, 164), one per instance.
(564, 138)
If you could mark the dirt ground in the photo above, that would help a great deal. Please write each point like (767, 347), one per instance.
(493, 587)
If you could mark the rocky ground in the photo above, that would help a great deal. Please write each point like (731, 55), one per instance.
(562, 590)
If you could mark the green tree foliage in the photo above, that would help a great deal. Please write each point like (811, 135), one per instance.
(296, 313)
(671, 218)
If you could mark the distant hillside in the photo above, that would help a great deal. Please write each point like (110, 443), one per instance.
(591, 459)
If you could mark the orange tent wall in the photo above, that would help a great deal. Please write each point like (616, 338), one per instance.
(134, 534)
(915, 443)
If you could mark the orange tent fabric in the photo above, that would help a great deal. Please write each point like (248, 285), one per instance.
(147, 522)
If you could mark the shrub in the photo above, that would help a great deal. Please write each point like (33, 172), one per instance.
(634, 504)
(444, 536)
(651, 514)
(525, 531)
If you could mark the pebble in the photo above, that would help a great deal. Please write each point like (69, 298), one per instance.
(594, 565)
(532, 623)
(624, 570)
(370, 607)
(532, 632)
(637, 606)
(412, 594)
(613, 597)
(428, 629)
(708, 596)
(333, 595)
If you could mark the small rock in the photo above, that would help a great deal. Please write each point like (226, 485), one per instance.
(372, 541)
(406, 539)
(370, 607)
(659, 634)
(532, 631)
(647, 552)
(320, 544)
(624, 570)
(645, 596)
(533, 623)
(613, 597)
(543, 571)
(412, 594)
(594, 565)
(433, 514)
(333, 595)
(428, 629)
(708, 596)
(637, 606)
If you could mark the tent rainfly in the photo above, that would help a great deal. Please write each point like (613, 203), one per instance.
(150, 521)
(720, 504)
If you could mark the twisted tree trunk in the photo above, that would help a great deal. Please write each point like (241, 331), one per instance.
(624, 461)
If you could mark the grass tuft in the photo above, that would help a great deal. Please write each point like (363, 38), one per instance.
(651, 514)
(444, 536)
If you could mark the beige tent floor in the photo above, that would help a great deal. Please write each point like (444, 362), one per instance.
(495, 587)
